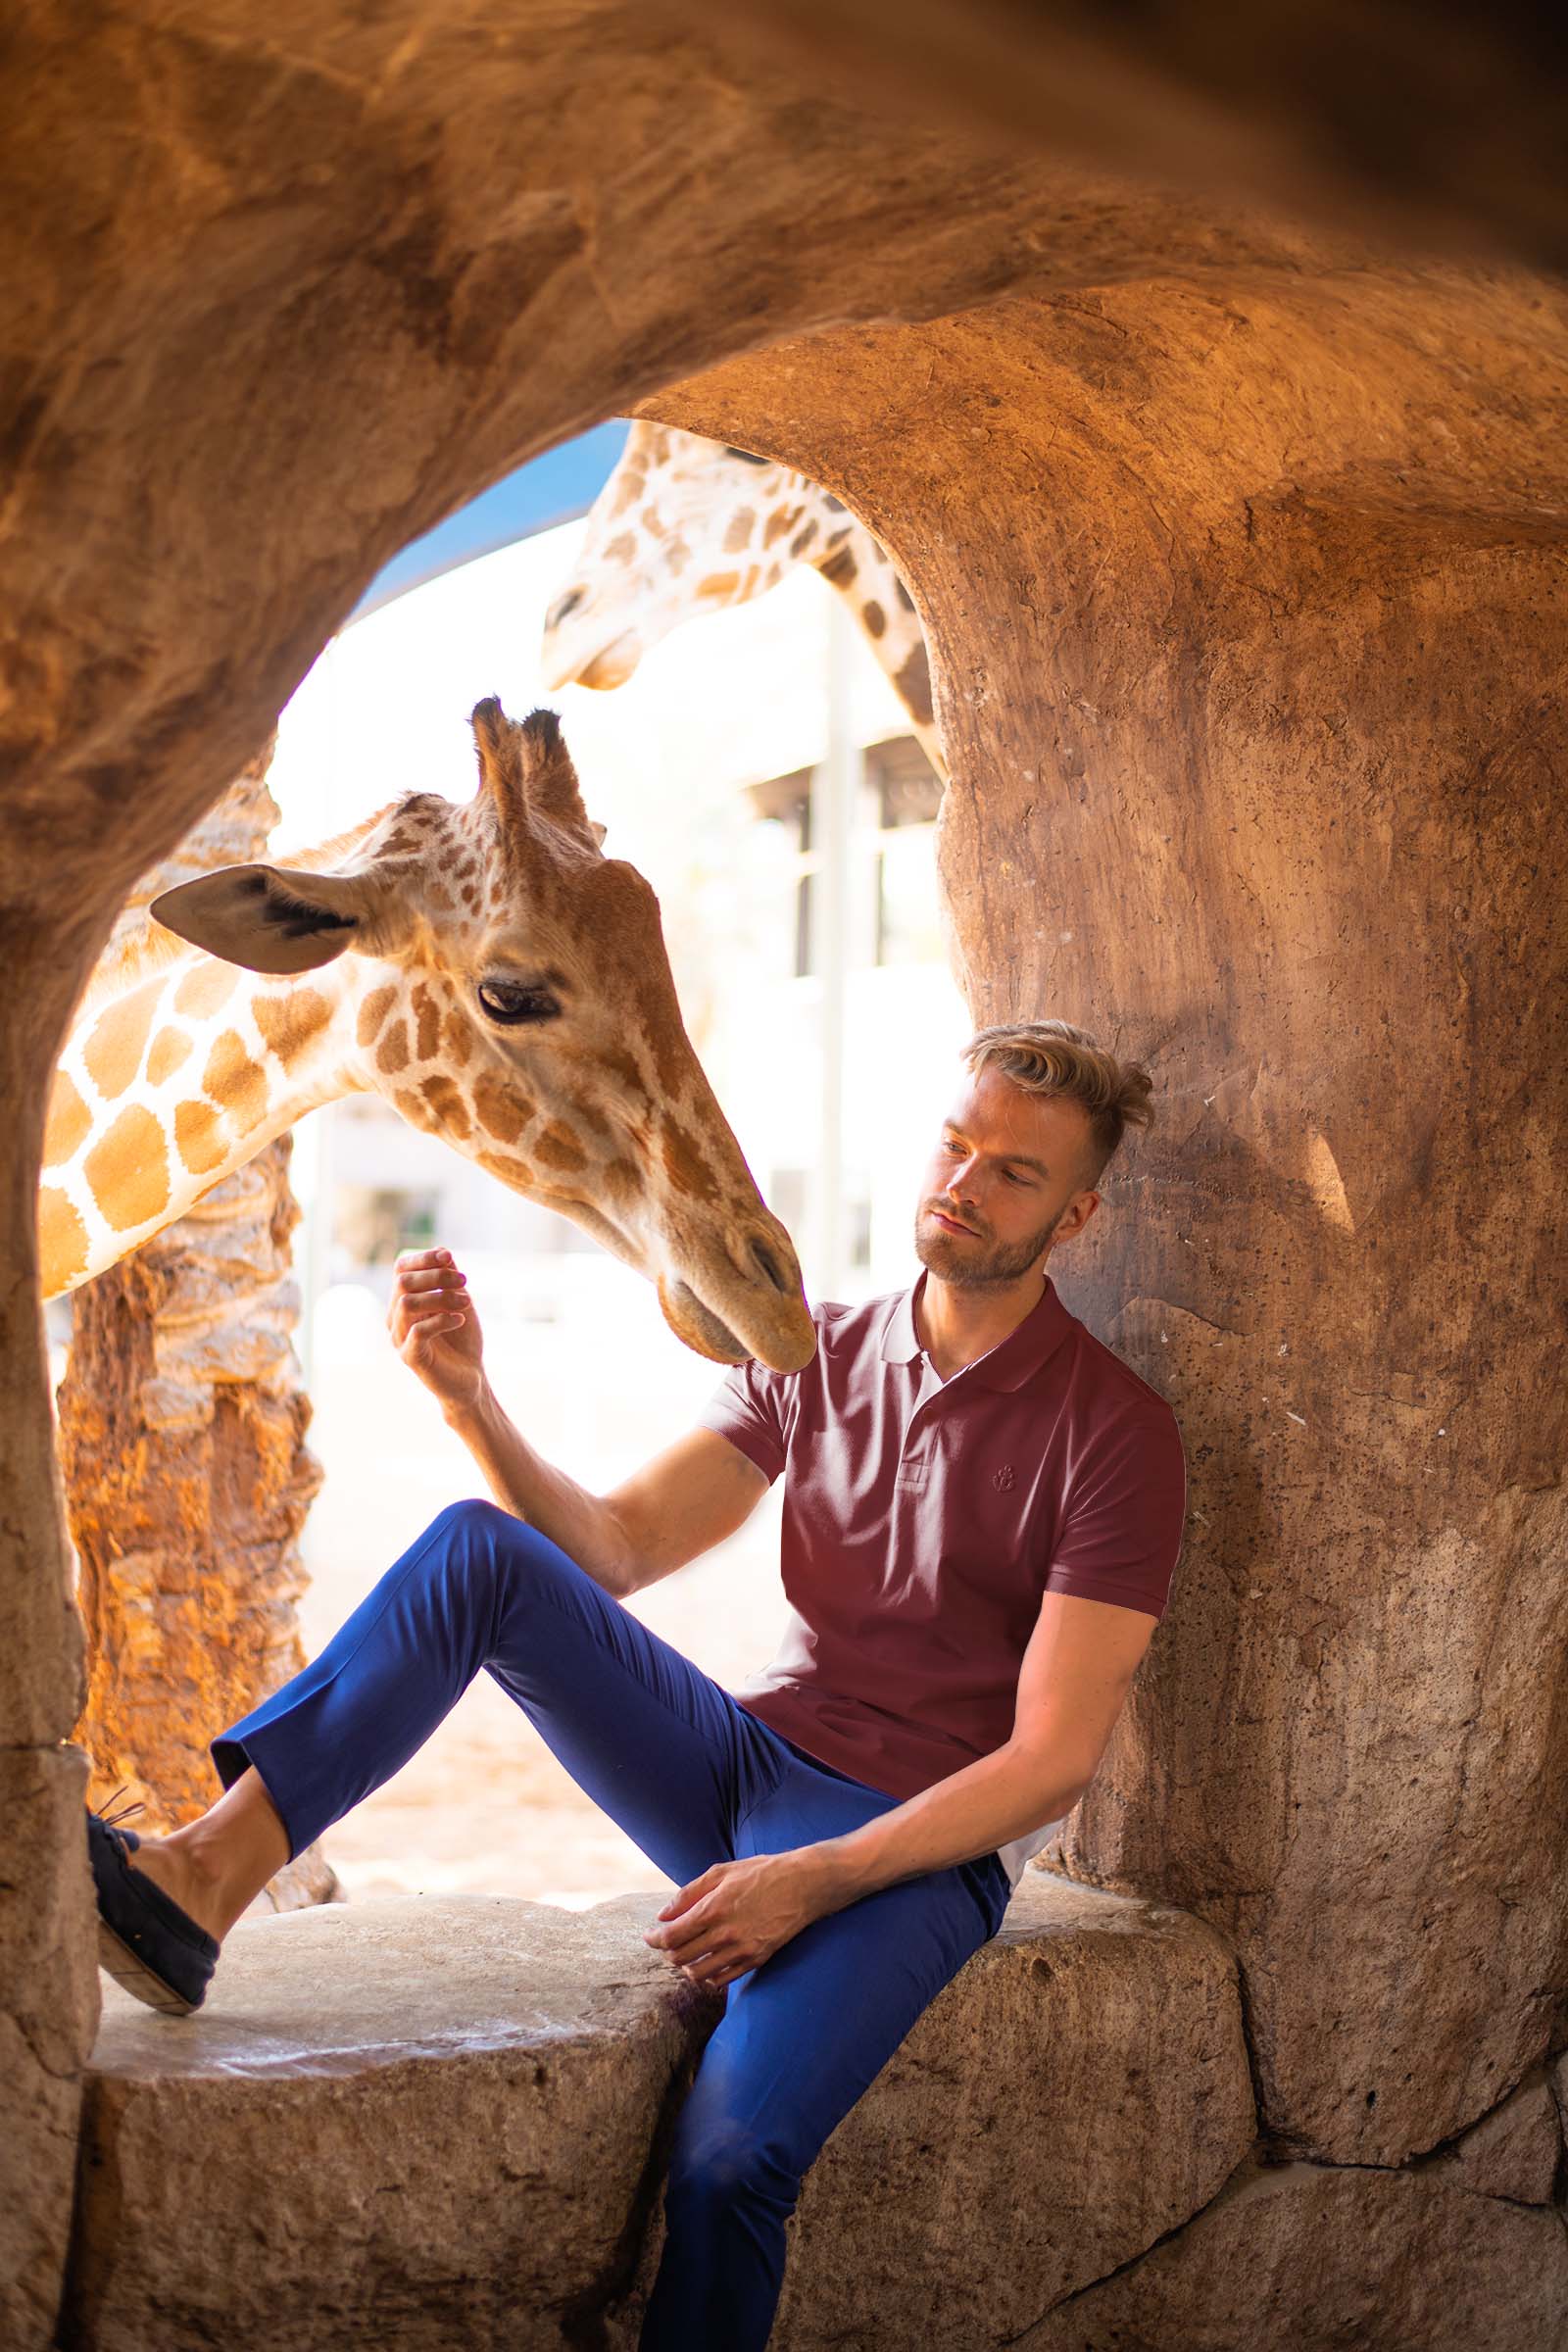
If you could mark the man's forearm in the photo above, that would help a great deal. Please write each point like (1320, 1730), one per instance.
(1002, 1797)
(524, 1482)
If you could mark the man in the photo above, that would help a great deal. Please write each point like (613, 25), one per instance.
(983, 1510)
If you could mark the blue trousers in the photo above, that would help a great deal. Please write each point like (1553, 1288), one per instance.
(693, 1778)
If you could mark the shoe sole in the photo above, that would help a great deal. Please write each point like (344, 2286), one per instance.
(118, 1961)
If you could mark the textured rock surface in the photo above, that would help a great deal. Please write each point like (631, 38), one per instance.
(411, 2122)
(1260, 778)
(47, 1964)
(1319, 2259)
(1243, 583)
(419, 2123)
(187, 1477)
(1452, 128)
(1515, 2150)
(1079, 2089)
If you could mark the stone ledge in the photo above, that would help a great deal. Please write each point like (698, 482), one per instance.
(433, 2123)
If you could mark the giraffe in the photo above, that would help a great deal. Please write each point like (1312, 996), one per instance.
(685, 525)
(484, 966)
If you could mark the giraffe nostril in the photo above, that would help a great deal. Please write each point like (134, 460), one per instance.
(770, 1267)
(563, 605)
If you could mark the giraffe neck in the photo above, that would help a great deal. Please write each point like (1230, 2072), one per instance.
(855, 563)
(169, 1082)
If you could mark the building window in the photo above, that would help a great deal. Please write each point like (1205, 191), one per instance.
(902, 794)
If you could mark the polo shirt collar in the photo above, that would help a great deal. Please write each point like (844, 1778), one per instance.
(1010, 1363)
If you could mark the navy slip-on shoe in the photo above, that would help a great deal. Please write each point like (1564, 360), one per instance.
(145, 1940)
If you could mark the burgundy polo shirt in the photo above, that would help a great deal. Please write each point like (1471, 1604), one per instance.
(924, 1519)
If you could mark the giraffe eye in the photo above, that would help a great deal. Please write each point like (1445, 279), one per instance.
(508, 1003)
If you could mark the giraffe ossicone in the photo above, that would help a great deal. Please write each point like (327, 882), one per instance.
(489, 971)
(684, 526)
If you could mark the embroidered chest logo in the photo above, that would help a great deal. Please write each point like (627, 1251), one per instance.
(1002, 1478)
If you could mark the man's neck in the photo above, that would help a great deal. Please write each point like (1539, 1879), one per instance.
(957, 1323)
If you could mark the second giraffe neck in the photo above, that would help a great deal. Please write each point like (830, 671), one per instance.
(169, 1086)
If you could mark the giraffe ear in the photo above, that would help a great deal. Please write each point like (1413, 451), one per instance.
(527, 770)
(270, 919)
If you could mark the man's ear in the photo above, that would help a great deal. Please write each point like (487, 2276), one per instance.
(270, 919)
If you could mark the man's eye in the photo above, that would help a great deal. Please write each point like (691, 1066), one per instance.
(508, 1003)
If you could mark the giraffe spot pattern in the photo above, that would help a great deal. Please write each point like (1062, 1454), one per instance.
(236, 1083)
(127, 1170)
(68, 1123)
(780, 526)
(558, 1149)
(875, 620)
(912, 685)
(205, 988)
(372, 1013)
(501, 1112)
(510, 1170)
(840, 567)
(392, 1054)
(622, 1179)
(630, 491)
(447, 1106)
(720, 583)
(62, 1239)
(684, 1164)
(905, 598)
(170, 1046)
(670, 1050)
(742, 524)
(198, 1135)
(620, 549)
(803, 540)
(290, 1020)
(624, 1066)
(458, 1036)
(428, 1024)
(113, 1050)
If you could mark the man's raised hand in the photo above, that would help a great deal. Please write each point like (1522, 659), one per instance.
(435, 1326)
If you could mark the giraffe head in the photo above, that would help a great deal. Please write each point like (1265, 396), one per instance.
(683, 525)
(504, 985)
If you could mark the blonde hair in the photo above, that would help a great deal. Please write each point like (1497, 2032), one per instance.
(1058, 1059)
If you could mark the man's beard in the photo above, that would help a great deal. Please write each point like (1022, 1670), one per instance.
(978, 1264)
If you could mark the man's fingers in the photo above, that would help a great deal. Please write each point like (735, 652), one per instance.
(714, 1966)
(704, 1881)
(430, 1311)
(430, 1327)
(412, 1280)
(688, 1941)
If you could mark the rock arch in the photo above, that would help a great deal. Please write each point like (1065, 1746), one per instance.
(1239, 544)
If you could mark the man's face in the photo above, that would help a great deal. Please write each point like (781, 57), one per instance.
(1003, 1184)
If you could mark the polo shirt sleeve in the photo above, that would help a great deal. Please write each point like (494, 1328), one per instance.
(747, 1408)
(1122, 1531)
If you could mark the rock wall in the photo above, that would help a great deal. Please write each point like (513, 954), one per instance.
(1238, 548)
(1254, 764)
(187, 1478)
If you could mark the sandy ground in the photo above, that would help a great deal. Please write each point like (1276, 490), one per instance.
(484, 1806)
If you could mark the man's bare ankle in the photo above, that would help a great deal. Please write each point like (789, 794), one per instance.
(188, 1877)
